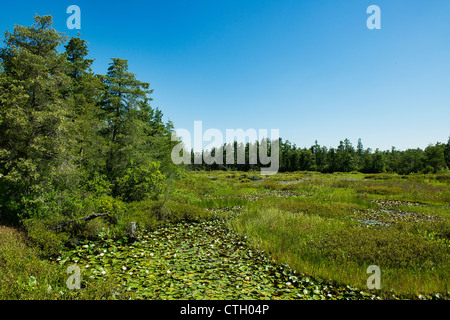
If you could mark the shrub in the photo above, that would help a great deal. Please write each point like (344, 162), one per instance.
(22, 274)
(146, 214)
(140, 182)
(175, 211)
(443, 177)
(380, 176)
(50, 242)
(196, 185)
(149, 214)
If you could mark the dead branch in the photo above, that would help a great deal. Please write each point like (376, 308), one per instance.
(90, 217)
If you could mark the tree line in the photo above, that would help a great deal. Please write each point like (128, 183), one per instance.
(344, 158)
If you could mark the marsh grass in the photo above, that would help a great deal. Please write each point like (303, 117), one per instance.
(322, 235)
(317, 223)
(334, 249)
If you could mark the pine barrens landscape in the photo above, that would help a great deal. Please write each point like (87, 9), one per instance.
(83, 155)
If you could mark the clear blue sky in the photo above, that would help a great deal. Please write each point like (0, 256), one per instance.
(311, 69)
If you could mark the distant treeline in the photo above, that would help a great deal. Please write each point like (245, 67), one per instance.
(344, 158)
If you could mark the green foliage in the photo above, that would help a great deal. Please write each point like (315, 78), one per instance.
(382, 190)
(25, 276)
(197, 185)
(334, 210)
(98, 185)
(22, 274)
(344, 158)
(49, 242)
(387, 248)
(146, 214)
(73, 142)
(140, 182)
(347, 223)
(435, 156)
(149, 214)
(34, 126)
(134, 131)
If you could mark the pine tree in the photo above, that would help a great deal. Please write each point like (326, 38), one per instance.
(378, 163)
(33, 117)
(133, 131)
(320, 155)
(435, 158)
(359, 147)
(447, 153)
(85, 92)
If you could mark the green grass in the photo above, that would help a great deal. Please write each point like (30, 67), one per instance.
(322, 234)
(25, 275)
(334, 249)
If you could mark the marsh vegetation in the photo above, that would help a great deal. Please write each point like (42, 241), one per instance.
(84, 155)
(238, 235)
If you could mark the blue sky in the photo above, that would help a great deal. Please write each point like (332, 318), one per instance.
(311, 69)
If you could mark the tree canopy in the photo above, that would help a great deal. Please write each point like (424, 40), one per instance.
(63, 127)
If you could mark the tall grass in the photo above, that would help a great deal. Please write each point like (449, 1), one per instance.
(334, 249)
(321, 235)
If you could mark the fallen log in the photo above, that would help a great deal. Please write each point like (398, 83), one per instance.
(90, 217)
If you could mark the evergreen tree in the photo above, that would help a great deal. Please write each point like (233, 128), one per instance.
(320, 155)
(378, 163)
(85, 91)
(360, 147)
(345, 157)
(435, 158)
(359, 155)
(133, 128)
(366, 161)
(306, 160)
(34, 118)
(411, 161)
(447, 153)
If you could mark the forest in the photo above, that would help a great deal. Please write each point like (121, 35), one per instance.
(72, 141)
(344, 158)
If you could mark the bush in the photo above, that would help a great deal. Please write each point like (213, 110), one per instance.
(43, 230)
(140, 182)
(149, 214)
(175, 211)
(22, 274)
(443, 177)
(50, 242)
(380, 176)
(146, 214)
(197, 185)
